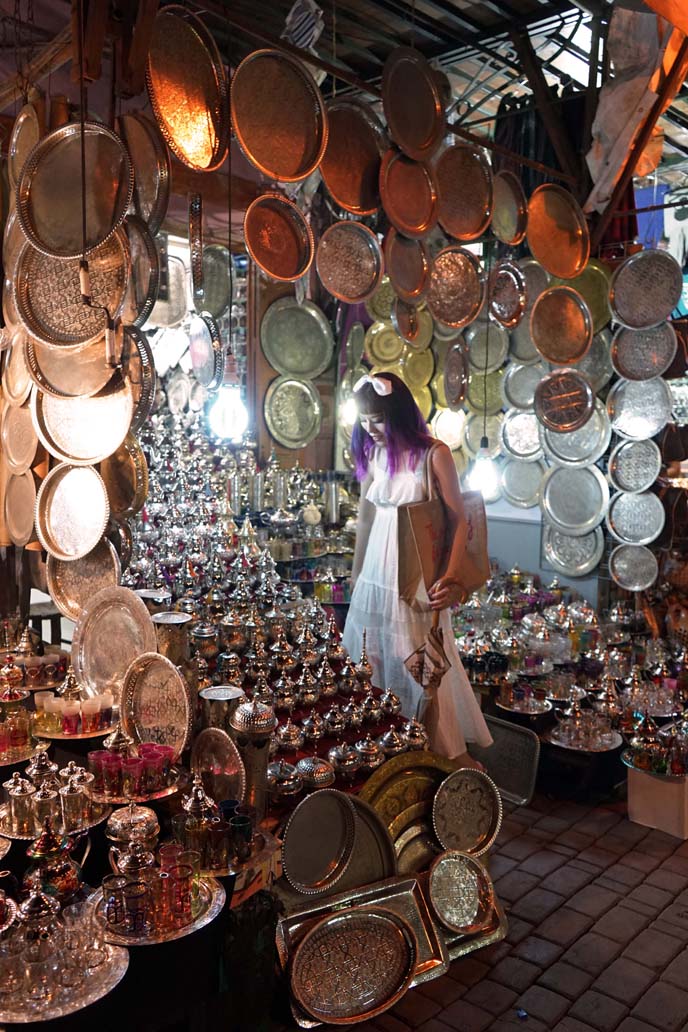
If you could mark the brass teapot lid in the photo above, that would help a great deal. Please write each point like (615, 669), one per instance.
(253, 718)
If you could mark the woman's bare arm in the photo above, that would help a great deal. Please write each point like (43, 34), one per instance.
(447, 590)
(366, 514)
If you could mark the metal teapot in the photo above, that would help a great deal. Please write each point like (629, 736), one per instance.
(54, 871)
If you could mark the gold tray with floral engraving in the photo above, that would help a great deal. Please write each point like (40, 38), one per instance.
(405, 780)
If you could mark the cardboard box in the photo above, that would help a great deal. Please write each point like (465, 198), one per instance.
(657, 802)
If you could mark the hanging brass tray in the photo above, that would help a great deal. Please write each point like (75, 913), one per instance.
(278, 237)
(278, 115)
(217, 279)
(125, 474)
(138, 367)
(71, 511)
(464, 181)
(293, 411)
(48, 197)
(349, 261)
(383, 345)
(487, 343)
(593, 286)
(84, 431)
(412, 103)
(156, 703)
(457, 286)
(18, 441)
(79, 371)
(409, 266)
(151, 162)
(509, 209)
(557, 231)
(144, 278)
(296, 338)
(19, 507)
(73, 584)
(196, 244)
(413, 324)
(506, 293)
(187, 87)
(48, 292)
(24, 137)
(409, 194)
(350, 166)
(16, 379)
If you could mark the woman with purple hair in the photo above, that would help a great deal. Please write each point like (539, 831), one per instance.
(389, 445)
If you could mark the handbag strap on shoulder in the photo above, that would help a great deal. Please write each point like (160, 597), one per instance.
(428, 479)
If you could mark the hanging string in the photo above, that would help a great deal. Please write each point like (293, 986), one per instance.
(413, 25)
(334, 45)
(483, 442)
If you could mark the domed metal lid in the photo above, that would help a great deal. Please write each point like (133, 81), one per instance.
(132, 822)
(253, 718)
(284, 779)
(391, 742)
(315, 772)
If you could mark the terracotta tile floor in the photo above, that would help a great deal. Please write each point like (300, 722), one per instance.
(598, 933)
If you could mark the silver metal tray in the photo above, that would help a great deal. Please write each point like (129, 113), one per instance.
(318, 841)
(580, 447)
(114, 629)
(156, 703)
(520, 436)
(487, 343)
(211, 900)
(403, 896)
(639, 410)
(552, 738)
(596, 366)
(645, 289)
(296, 338)
(634, 465)
(293, 411)
(642, 354)
(521, 482)
(99, 813)
(633, 567)
(73, 584)
(635, 518)
(574, 501)
(572, 556)
(519, 383)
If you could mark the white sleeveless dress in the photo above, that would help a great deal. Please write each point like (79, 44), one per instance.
(394, 630)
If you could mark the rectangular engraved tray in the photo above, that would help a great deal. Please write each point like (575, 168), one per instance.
(460, 945)
(401, 895)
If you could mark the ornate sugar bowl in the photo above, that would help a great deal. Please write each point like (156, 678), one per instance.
(364, 668)
(372, 710)
(414, 734)
(204, 640)
(284, 781)
(315, 773)
(348, 682)
(289, 737)
(313, 727)
(390, 703)
(335, 721)
(133, 822)
(41, 770)
(326, 680)
(345, 760)
(352, 713)
(53, 870)
(391, 743)
(285, 693)
(132, 860)
(309, 690)
(370, 752)
(37, 914)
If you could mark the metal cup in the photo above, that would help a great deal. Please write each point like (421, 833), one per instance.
(172, 633)
(217, 705)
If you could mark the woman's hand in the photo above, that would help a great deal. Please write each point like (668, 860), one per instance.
(446, 592)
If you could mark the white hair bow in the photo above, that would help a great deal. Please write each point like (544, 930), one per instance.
(380, 386)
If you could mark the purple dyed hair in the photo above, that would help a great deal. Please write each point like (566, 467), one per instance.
(405, 429)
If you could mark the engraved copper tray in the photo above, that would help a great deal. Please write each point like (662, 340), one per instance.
(461, 892)
(519, 435)
(409, 266)
(642, 354)
(633, 567)
(68, 372)
(455, 376)
(139, 368)
(467, 812)
(18, 441)
(349, 262)
(318, 841)
(645, 289)
(216, 758)
(48, 194)
(101, 981)
(205, 351)
(48, 293)
(156, 703)
(83, 431)
(509, 209)
(350, 166)
(409, 194)
(635, 518)
(375, 943)
(401, 895)
(487, 343)
(412, 103)
(557, 231)
(296, 338)
(278, 115)
(634, 465)
(144, 278)
(20, 505)
(151, 162)
(564, 401)
(580, 447)
(125, 474)
(72, 584)
(561, 326)
(506, 294)
(574, 500)
(206, 907)
(113, 630)
(521, 482)
(414, 324)
(464, 181)
(639, 410)
(456, 288)
(24, 137)
(278, 237)
(71, 511)
(572, 556)
(593, 286)
(293, 411)
(186, 84)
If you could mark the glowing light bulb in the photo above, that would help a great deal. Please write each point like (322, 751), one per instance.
(227, 415)
(348, 412)
(484, 476)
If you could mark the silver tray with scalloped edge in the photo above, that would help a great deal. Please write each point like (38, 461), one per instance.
(572, 556)
(574, 501)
